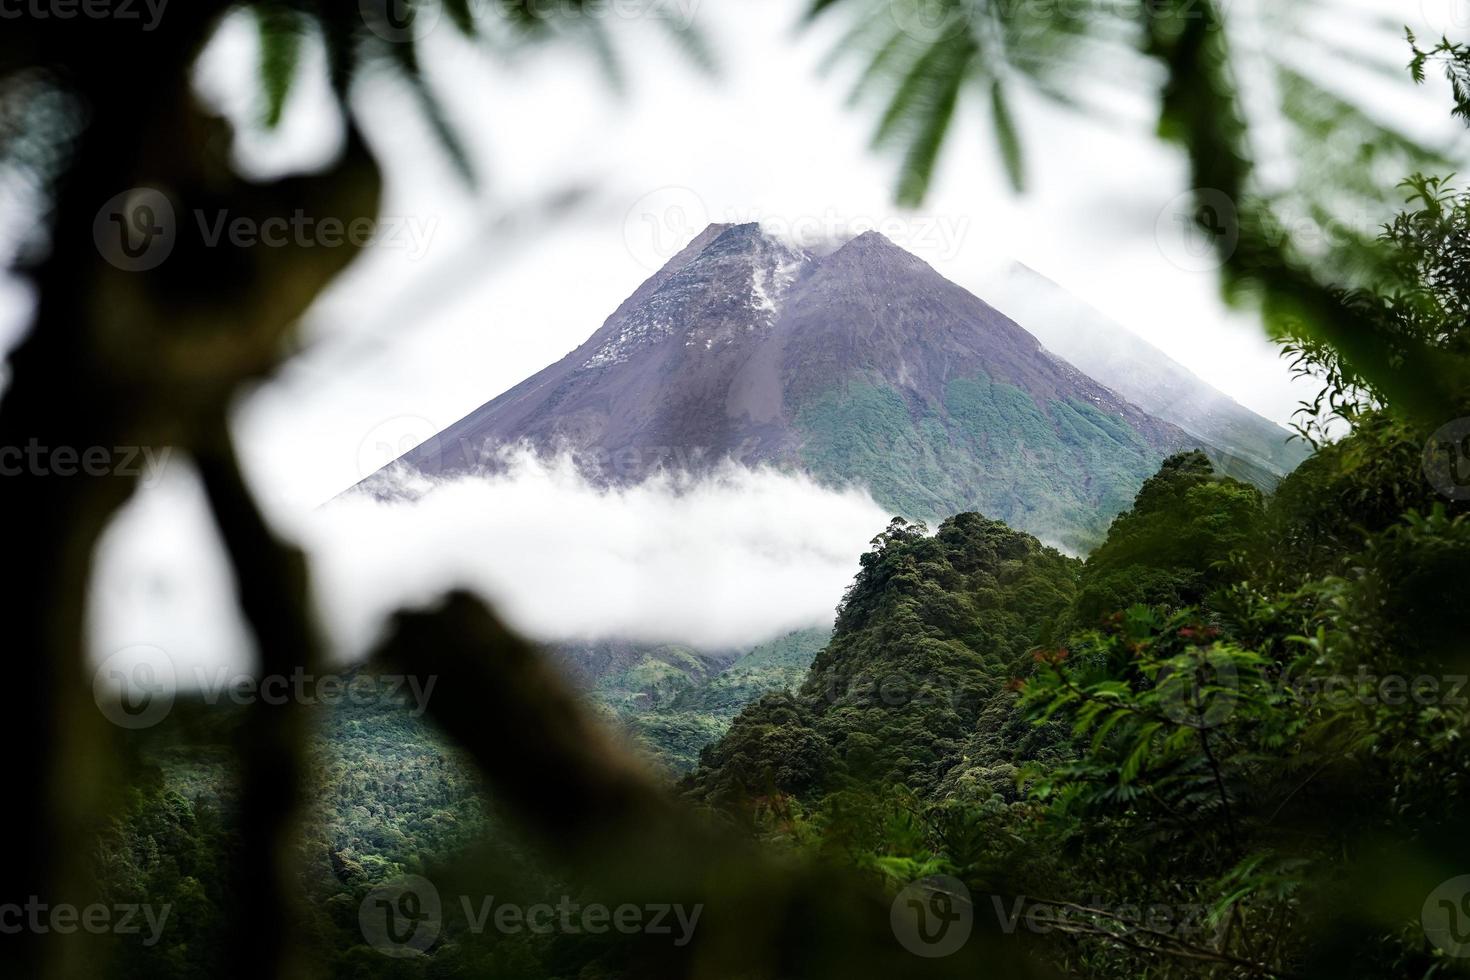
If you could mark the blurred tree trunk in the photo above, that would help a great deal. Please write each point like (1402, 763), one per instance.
(134, 359)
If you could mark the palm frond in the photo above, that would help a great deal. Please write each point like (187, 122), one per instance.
(280, 29)
(1006, 136)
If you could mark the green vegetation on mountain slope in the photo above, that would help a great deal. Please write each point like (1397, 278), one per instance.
(673, 715)
(972, 716)
(1061, 473)
(931, 624)
(1166, 728)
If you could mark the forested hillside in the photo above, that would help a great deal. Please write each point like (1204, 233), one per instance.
(929, 631)
(919, 684)
(1245, 715)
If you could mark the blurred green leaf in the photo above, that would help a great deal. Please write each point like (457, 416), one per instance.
(1006, 137)
(280, 31)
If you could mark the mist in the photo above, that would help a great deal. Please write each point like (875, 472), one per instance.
(722, 561)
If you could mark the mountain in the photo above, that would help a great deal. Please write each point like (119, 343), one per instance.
(862, 365)
(1249, 444)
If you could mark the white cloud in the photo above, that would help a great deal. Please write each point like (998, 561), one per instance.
(723, 561)
(726, 560)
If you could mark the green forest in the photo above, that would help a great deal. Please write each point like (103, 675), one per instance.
(1228, 742)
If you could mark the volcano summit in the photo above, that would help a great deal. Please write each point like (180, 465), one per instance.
(864, 365)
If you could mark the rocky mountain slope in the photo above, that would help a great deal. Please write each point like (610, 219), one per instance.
(863, 365)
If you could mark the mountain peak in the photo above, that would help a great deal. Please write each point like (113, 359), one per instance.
(731, 288)
(873, 242)
(740, 229)
(736, 238)
(872, 238)
(870, 252)
(876, 244)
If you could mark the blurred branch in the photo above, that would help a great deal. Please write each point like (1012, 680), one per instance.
(524, 726)
(64, 393)
(118, 359)
(271, 584)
